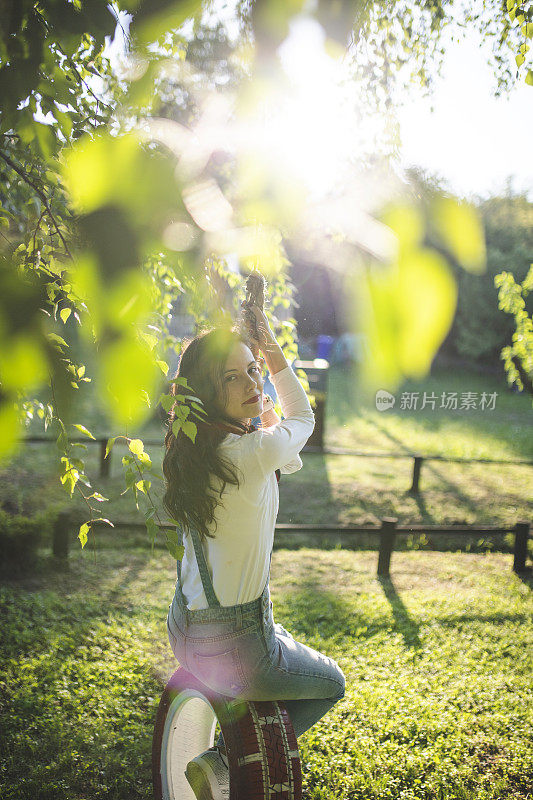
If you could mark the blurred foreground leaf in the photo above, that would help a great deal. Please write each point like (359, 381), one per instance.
(406, 307)
(10, 429)
(460, 226)
(128, 371)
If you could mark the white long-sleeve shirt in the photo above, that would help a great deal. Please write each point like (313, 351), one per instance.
(238, 557)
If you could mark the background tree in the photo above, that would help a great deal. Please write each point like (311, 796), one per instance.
(478, 333)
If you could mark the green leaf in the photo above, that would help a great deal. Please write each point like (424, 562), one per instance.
(136, 446)
(198, 407)
(152, 528)
(181, 381)
(527, 30)
(145, 460)
(182, 412)
(510, 4)
(83, 429)
(175, 549)
(57, 340)
(189, 429)
(527, 283)
(105, 170)
(167, 401)
(150, 340)
(406, 222)
(406, 312)
(64, 120)
(529, 77)
(22, 363)
(163, 366)
(82, 535)
(127, 371)
(99, 497)
(109, 446)
(149, 23)
(62, 441)
(65, 314)
(460, 227)
(46, 138)
(10, 429)
(519, 59)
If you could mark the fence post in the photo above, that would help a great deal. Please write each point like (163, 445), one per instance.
(105, 463)
(520, 546)
(60, 534)
(416, 475)
(386, 544)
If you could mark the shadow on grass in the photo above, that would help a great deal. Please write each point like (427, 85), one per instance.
(319, 611)
(422, 507)
(447, 485)
(526, 576)
(403, 621)
(314, 609)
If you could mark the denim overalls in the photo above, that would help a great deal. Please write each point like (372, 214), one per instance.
(240, 651)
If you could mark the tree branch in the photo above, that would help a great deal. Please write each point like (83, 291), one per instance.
(26, 178)
(78, 74)
(36, 229)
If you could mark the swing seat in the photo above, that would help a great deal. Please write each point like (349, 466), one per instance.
(261, 747)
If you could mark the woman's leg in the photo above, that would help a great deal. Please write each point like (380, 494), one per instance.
(308, 682)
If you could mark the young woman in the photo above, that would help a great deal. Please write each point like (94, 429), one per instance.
(223, 491)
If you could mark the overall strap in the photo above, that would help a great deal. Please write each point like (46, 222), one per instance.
(207, 584)
(178, 569)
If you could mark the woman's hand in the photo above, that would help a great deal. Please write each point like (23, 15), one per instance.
(266, 342)
(266, 337)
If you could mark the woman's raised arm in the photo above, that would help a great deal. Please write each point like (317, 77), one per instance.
(274, 356)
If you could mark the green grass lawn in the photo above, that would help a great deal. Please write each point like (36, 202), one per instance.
(504, 432)
(438, 664)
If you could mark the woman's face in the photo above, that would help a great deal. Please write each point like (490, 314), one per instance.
(243, 384)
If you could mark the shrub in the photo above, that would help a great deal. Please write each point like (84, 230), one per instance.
(20, 537)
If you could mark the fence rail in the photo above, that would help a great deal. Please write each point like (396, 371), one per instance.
(418, 460)
(389, 527)
(387, 535)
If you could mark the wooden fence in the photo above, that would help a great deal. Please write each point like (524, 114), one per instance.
(387, 535)
(418, 460)
(389, 527)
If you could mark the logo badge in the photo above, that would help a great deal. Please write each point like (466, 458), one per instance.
(384, 400)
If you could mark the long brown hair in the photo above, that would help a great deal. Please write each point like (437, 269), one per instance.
(191, 496)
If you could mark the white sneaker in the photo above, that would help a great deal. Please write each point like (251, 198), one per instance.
(208, 775)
